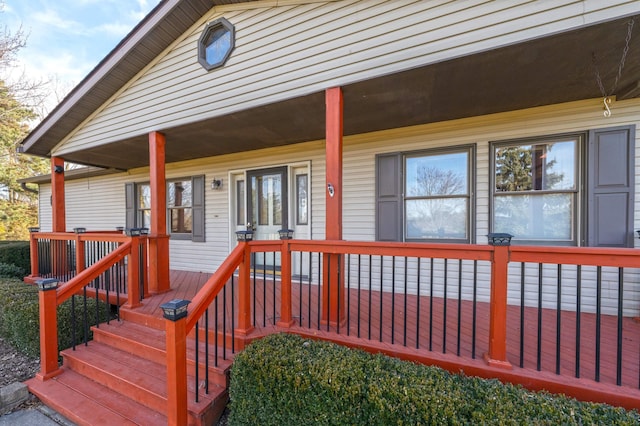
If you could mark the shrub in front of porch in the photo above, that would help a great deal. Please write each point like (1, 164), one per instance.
(16, 253)
(19, 317)
(285, 379)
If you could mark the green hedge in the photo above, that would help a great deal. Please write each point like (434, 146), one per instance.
(19, 317)
(16, 253)
(286, 380)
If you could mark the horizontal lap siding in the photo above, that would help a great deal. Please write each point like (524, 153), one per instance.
(289, 51)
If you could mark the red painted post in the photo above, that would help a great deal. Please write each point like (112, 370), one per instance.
(57, 195)
(33, 249)
(158, 238)
(333, 283)
(176, 341)
(286, 319)
(80, 250)
(133, 274)
(48, 332)
(497, 355)
(244, 294)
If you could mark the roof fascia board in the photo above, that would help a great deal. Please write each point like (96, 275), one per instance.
(102, 69)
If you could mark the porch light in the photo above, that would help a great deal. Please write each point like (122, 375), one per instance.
(500, 239)
(175, 309)
(33, 229)
(244, 236)
(79, 230)
(47, 284)
(132, 232)
(216, 183)
(58, 169)
(285, 234)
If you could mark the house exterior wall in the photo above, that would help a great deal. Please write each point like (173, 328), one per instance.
(293, 50)
(98, 202)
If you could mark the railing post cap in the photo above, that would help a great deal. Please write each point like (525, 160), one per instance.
(499, 239)
(47, 284)
(175, 309)
(80, 230)
(33, 229)
(244, 236)
(132, 232)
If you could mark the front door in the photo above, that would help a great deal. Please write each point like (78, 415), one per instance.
(267, 207)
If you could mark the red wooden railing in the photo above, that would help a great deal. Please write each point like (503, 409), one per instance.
(87, 269)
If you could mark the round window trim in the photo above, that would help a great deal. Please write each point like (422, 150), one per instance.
(224, 27)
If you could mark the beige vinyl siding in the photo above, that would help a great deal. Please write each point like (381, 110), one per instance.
(288, 51)
(106, 207)
(45, 221)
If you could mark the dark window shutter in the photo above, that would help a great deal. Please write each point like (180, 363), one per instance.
(389, 197)
(130, 205)
(611, 187)
(197, 183)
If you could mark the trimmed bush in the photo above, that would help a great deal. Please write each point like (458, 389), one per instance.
(16, 253)
(9, 270)
(20, 321)
(287, 380)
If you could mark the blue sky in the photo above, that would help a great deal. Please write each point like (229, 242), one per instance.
(67, 38)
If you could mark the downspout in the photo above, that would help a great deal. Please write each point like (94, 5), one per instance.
(24, 186)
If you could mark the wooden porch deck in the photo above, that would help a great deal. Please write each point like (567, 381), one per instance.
(440, 328)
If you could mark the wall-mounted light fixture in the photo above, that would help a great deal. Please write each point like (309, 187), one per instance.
(330, 189)
(58, 169)
(216, 183)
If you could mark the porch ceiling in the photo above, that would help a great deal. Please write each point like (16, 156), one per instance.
(540, 72)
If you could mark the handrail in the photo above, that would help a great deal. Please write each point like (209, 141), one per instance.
(76, 283)
(212, 287)
(87, 236)
(594, 256)
(376, 248)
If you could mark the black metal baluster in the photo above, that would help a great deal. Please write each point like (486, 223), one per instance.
(620, 311)
(431, 306)
(539, 352)
(206, 351)
(253, 263)
(107, 274)
(558, 318)
(339, 272)
(578, 316)
(274, 287)
(381, 292)
(475, 291)
(217, 332)
(328, 290)
(522, 294)
(85, 316)
(349, 294)
(444, 314)
(459, 302)
(404, 337)
(598, 312)
(73, 322)
(197, 360)
(393, 298)
(224, 322)
(320, 307)
(418, 300)
(233, 314)
(309, 291)
(264, 290)
(370, 295)
(300, 291)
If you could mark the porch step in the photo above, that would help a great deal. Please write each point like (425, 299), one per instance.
(121, 376)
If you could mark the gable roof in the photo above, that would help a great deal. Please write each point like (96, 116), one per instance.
(166, 22)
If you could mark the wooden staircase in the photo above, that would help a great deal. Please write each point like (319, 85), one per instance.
(120, 378)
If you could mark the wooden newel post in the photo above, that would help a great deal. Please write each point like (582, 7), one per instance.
(286, 319)
(244, 287)
(497, 355)
(33, 250)
(47, 297)
(80, 249)
(133, 269)
(175, 313)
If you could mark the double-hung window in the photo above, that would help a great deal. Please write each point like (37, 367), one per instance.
(536, 189)
(425, 196)
(574, 189)
(185, 207)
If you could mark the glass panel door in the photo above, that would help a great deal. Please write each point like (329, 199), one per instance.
(267, 208)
